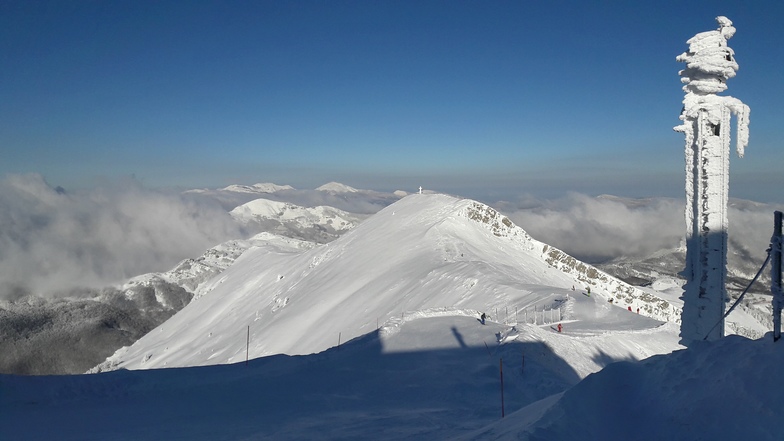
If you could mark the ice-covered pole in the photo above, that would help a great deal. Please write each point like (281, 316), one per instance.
(775, 275)
(706, 124)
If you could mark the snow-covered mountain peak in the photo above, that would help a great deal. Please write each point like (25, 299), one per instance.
(423, 252)
(336, 187)
(320, 224)
(257, 188)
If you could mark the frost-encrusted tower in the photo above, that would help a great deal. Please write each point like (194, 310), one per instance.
(706, 124)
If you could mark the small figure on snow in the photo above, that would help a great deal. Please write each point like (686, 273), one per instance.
(559, 327)
(638, 310)
(482, 318)
(630, 309)
(589, 291)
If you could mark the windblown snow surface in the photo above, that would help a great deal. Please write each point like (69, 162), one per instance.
(376, 336)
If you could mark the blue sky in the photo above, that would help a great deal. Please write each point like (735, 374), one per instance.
(482, 99)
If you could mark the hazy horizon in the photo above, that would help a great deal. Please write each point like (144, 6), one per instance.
(485, 100)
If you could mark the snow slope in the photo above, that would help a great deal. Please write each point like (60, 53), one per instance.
(258, 188)
(336, 187)
(425, 267)
(713, 391)
(425, 251)
(431, 376)
(319, 224)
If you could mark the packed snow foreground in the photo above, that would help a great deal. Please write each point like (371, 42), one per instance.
(377, 336)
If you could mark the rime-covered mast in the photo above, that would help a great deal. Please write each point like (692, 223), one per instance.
(706, 124)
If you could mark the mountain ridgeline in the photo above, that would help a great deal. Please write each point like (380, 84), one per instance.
(423, 252)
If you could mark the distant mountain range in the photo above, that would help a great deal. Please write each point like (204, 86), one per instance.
(71, 335)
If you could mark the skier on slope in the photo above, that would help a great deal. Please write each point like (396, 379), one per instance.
(482, 318)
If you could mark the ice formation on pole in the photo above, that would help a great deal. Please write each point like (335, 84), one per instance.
(706, 124)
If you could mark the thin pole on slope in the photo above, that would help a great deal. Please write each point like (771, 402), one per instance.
(339, 339)
(247, 346)
(522, 365)
(775, 275)
(501, 369)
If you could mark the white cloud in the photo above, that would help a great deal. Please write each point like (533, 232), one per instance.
(598, 229)
(52, 242)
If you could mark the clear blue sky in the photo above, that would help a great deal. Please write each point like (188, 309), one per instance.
(479, 98)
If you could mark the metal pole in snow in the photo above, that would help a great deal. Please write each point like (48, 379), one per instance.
(247, 346)
(775, 275)
(522, 365)
(339, 339)
(501, 368)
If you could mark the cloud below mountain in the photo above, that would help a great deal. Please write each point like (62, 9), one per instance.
(53, 242)
(598, 229)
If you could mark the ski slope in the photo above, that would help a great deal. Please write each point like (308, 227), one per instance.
(376, 336)
(422, 252)
(433, 375)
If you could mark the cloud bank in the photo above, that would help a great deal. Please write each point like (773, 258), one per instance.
(53, 242)
(599, 229)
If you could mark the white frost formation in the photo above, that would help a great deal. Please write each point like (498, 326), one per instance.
(706, 124)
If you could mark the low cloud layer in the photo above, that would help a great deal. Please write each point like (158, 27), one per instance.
(52, 241)
(599, 229)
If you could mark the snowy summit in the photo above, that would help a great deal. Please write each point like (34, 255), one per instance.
(420, 253)
(336, 187)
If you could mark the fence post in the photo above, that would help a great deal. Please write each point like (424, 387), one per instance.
(501, 368)
(775, 275)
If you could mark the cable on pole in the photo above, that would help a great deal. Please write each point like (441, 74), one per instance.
(764, 264)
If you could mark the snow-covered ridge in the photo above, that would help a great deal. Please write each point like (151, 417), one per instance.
(600, 282)
(258, 188)
(423, 252)
(336, 187)
(320, 224)
(322, 215)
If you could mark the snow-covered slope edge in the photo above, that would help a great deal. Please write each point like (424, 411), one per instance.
(319, 224)
(662, 398)
(599, 282)
(425, 251)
